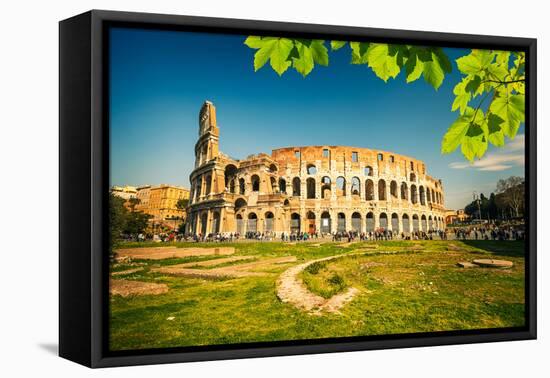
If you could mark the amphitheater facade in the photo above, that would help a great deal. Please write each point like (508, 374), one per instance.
(310, 189)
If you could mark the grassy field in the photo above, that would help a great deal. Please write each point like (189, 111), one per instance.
(404, 287)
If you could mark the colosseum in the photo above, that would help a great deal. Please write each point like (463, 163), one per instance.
(323, 189)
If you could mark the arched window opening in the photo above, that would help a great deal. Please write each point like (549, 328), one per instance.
(394, 222)
(311, 226)
(422, 195)
(215, 223)
(414, 194)
(311, 169)
(310, 184)
(369, 190)
(406, 224)
(356, 222)
(269, 221)
(382, 190)
(295, 223)
(355, 187)
(370, 222)
(325, 222)
(416, 226)
(393, 190)
(208, 185)
(239, 204)
(242, 187)
(282, 185)
(255, 181)
(383, 221)
(404, 191)
(229, 174)
(240, 224)
(341, 227)
(340, 186)
(252, 225)
(368, 171)
(424, 223)
(296, 186)
(325, 187)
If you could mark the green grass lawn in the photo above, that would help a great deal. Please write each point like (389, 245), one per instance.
(404, 287)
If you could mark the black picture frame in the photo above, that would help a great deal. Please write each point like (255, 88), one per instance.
(84, 184)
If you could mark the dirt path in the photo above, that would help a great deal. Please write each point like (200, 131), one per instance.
(291, 289)
(233, 271)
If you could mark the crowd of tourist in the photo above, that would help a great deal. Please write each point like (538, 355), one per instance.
(472, 232)
(489, 232)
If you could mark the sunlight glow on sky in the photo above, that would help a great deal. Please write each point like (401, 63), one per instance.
(159, 80)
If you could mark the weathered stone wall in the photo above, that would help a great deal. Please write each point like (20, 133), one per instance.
(311, 189)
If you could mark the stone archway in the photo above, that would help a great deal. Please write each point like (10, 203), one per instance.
(311, 227)
(383, 221)
(356, 223)
(326, 226)
(406, 224)
(395, 222)
(370, 221)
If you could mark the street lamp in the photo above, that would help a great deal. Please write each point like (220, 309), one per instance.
(478, 201)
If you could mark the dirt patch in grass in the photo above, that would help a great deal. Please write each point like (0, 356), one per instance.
(124, 272)
(159, 253)
(232, 271)
(209, 263)
(127, 288)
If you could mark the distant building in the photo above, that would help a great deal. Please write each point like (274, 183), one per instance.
(454, 216)
(125, 192)
(161, 201)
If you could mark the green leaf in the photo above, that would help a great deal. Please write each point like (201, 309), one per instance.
(254, 42)
(423, 53)
(462, 97)
(304, 64)
(474, 146)
(401, 53)
(263, 54)
(443, 60)
(319, 52)
(468, 65)
(495, 134)
(358, 52)
(433, 73)
(511, 109)
(454, 135)
(383, 65)
(475, 62)
(413, 68)
(279, 55)
(473, 83)
(499, 71)
(502, 57)
(336, 45)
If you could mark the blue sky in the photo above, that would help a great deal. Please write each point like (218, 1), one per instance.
(159, 80)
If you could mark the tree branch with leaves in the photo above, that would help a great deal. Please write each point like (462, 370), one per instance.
(486, 74)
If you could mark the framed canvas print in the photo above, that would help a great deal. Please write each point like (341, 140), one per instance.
(233, 188)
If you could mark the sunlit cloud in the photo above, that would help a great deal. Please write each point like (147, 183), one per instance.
(501, 159)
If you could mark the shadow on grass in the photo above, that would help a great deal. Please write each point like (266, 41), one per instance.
(507, 248)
